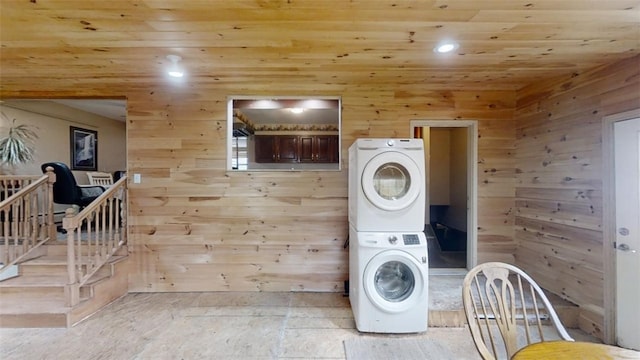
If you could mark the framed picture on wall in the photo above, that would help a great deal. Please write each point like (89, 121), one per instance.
(84, 149)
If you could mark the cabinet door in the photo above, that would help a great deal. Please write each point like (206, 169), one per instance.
(323, 151)
(334, 149)
(319, 148)
(307, 148)
(265, 149)
(287, 146)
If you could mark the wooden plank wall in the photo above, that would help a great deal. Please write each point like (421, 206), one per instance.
(197, 227)
(558, 220)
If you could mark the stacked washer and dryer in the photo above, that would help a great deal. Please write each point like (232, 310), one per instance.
(388, 261)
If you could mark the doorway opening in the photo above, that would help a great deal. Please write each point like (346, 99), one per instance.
(450, 182)
(67, 128)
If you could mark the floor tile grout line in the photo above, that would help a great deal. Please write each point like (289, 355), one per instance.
(282, 331)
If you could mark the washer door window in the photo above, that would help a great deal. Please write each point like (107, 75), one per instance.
(393, 281)
(391, 181)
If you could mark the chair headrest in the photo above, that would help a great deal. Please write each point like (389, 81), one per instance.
(65, 189)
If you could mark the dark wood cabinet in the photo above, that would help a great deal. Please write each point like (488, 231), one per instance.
(319, 148)
(276, 148)
(287, 148)
(296, 148)
(306, 148)
(265, 149)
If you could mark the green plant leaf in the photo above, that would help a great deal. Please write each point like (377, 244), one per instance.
(17, 147)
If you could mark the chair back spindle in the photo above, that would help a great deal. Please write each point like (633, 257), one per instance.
(100, 178)
(507, 310)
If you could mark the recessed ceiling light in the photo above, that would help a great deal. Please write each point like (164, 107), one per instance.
(445, 47)
(296, 110)
(175, 70)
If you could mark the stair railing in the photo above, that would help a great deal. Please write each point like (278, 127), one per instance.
(94, 235)
(26, 216)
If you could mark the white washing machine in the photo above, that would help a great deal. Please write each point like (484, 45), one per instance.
(387, 185)
(388, 281)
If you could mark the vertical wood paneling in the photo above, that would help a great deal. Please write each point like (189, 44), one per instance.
(558, 220)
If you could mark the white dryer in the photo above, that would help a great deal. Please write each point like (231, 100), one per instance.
(388, 281)
(387, 185)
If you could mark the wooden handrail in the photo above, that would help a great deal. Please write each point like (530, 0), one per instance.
(33, 185)
(26, 216)
(73, 222)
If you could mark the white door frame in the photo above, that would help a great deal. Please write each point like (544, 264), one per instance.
(472, 177)
(608, 221)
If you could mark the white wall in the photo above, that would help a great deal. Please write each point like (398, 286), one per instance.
(456, 215)
(439, 174)
(52, 122)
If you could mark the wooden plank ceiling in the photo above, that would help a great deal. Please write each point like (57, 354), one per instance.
(504, 44)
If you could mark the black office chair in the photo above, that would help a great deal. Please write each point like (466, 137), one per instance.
(66, 190)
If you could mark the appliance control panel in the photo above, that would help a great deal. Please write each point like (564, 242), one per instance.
(411, 239)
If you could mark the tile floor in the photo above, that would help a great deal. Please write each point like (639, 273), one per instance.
(210, 326)
(214, 326)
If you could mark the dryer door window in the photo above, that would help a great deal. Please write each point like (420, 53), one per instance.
(391, 181)
(394, 281)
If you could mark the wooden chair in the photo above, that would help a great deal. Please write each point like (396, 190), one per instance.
(506, 310)
(100, 178)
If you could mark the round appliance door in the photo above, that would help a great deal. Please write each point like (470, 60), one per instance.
(393, 281)
(391, 181)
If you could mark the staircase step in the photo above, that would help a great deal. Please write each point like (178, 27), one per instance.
(447, 318)
(38, 300)
(59, 247)
(56, 248)
(33, 311)
(44, 265)
(34, 320)
(34, 281)
(28, 287)
(27, 304)
(49, 264)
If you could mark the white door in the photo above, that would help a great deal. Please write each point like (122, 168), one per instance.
(627, 189)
